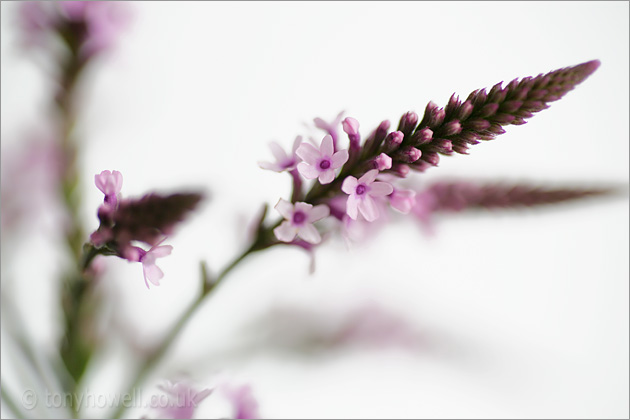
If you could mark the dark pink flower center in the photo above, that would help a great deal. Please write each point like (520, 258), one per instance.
(360, 190)
(324, 164)
(298, 218)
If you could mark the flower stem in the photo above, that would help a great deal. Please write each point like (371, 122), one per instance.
(150, 362)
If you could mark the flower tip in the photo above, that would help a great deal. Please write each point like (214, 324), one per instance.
(350, 126)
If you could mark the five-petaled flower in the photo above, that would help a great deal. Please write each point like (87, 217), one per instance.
(299, 221)
(110, 184)
(320, 163)
(151, 271)
(362, 193)
(284, 162)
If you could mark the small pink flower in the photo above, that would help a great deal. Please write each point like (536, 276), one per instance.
(151, 271)
(299, 221)
(181, 402)
(362, 193)
(320, 163)
(110, 184)
(283, 161)
(402, 200)
(243, 402)
(330, 128)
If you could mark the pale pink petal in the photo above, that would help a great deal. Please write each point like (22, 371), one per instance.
(308, 153)
(296, 144)
(152, 273)
(303, 207)
(349, 185)
(339, 158)
(270, 166)
(101, 181)
(309, 233)
(161, 251)
(277, 151)
(118, 181)
(318, 213)
(350, 126)
(285, 232)
(327, 148)
(352, 206)
(285, 208)
(369, 176)
(369, 209)
(381, 188)
(307, 170)
(326, 177)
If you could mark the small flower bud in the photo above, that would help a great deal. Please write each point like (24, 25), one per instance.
(510, 106)
(477, 124)
(393, 140)
(408, 123)
(488, 110)
(401, 170)
(431, 157)
(383, 162)
(351, 128)
(421, 137)
(451, 128)
(464, 110)
(409, 154)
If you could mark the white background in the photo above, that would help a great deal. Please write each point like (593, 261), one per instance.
(521, 313)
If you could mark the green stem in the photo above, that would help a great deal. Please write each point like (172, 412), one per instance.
(177, 328)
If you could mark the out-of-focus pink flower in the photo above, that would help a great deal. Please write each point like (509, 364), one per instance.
(361, 195)
(299, 221)
(321, 163)
(102, 21)
(402, 200)
(243, 402)
(151, 271)
(180, 402)
(30, 185)
(110, 184)
(284, 162)
(330, 128)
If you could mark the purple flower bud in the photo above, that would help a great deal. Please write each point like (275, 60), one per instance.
(460, 148)
(383, 162)
(477, 124)
(503, 118)
(409, 154)
(431, 157)
(401, 170)
(440, 146)
(408, 123)
(422, 136)
(451, 128)
(393, 140)
(487, 110)
(465, 110)
(510, 106)
(351, 128)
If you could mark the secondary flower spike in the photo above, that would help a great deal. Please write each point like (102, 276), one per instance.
(320, 163)
(362, 193)
(299, 220)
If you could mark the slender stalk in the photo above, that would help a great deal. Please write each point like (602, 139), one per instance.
(177, 328)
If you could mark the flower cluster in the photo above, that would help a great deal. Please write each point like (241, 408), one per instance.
(366, 173)
(149, 219)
